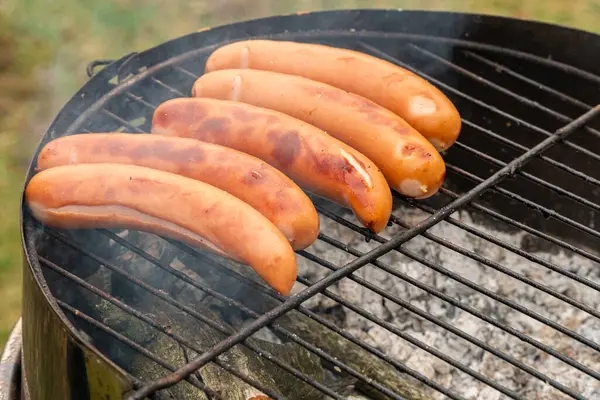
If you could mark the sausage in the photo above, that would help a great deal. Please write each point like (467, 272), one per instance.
(248, 178)
(132, 197)
(411, 164)
(316, 161)
(421, 104)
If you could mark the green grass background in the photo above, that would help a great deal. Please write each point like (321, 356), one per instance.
(45, 46)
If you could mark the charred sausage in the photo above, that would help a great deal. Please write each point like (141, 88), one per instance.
(133, 197)
(421, 104)
(316, 161)
(411, 164)
(250, 179)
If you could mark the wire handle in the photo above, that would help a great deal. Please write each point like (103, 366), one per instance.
(96, 63)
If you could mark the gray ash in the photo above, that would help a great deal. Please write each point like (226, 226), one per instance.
(452, 345)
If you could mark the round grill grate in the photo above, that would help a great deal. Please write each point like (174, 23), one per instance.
(490, 289)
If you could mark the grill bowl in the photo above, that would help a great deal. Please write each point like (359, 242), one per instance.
(514, 83)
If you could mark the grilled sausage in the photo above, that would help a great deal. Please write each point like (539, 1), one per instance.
(141, 198)
(250, 179)
(421, 104)
(411, 164)
(316, 161)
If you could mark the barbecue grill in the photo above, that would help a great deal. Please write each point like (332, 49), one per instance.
(489, 290)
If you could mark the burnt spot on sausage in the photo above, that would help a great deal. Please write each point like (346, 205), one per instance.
(370, 225)
(160, 118)
(334, 167)
(408, 149)
(215, 125)
(254, 177)
(287, 146)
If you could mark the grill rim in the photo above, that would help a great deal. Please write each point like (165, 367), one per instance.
(116, 66)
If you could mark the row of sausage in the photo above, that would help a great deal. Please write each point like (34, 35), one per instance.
(226, 169)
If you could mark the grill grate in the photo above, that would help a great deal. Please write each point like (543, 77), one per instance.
(504, 174)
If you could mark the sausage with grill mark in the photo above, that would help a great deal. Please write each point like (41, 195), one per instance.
(414, 99)
(250, 179)
(411, 164)
(133, 197)
(316, 161)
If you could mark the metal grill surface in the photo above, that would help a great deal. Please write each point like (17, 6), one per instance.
(526, 161)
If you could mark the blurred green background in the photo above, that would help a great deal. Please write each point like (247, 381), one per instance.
(45, 46)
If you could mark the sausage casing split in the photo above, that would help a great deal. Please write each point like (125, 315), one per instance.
(420, 103)
(133, 197)
(316, 161)
(411, 164)
(250, 179)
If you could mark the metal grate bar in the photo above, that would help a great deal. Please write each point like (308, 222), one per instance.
(508, 246)
(488, 293)
(550, 161)
(186, 309)
(312, 315)
(524, 227)
(140, 100)
(531, 177)
(504, 270)
(547, 212)
(169, 88)
(146, 353)
(390, 327)
(438, 322)
(504, 69)
(211, 323)
(349, 268)
(251, 313)
(462, 306)
(186, 72)
(488, 83)
(121, 121)
(130, 310)
(473, 100)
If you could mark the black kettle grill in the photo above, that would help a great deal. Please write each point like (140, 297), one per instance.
(96, 303)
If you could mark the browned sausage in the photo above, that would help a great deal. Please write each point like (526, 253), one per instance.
(411, 164)
(421, 104)
(316, 161)
(250, 179)
(133, 197)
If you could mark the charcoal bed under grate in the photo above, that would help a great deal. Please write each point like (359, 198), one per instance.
(488, 290)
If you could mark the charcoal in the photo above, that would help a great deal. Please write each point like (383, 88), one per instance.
(202, 336)
(311, 331)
